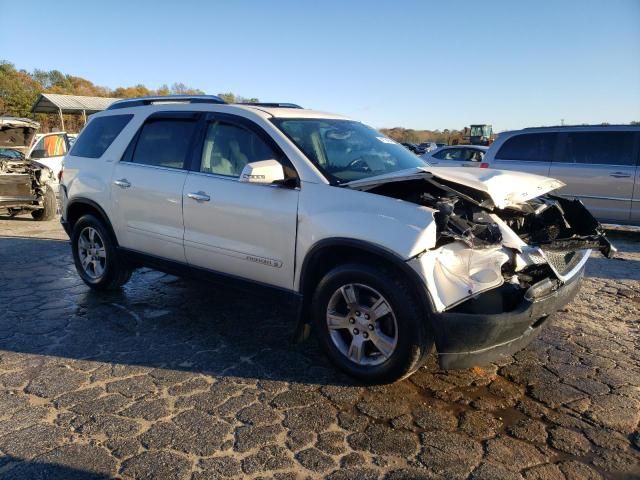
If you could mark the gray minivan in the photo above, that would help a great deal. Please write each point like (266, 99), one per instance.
(599, 164)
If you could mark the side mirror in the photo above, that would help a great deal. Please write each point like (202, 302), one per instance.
(265, 172)
(39, 154)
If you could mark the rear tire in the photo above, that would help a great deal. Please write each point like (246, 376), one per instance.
(386, 323)
(95, 255)
(50, 207)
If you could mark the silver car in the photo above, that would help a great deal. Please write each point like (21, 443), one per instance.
(457, 156)
(598, 164)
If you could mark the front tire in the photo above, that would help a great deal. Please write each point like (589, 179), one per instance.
(95, 255)
(50, 206)
(370, 324)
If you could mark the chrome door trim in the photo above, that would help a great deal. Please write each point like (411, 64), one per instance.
(597, 197)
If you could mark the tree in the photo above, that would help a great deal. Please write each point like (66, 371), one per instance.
(19, 90)
(232, 98)
(182, 89)
(228, 97)
(163, 91)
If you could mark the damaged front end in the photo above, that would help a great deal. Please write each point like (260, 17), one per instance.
(23, 184)
(502, 262)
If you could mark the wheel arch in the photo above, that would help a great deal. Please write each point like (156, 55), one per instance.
(78, 207)
(328, 253)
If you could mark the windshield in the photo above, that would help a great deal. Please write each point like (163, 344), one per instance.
(345, 150)
(10, 153)
(479, 131)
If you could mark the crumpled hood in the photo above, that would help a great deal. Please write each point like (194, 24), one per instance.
(488, 187)
(17, 133)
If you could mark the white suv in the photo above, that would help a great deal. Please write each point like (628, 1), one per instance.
(383, 257)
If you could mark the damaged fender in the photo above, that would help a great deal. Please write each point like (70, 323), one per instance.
(495, 230)
(455, 272)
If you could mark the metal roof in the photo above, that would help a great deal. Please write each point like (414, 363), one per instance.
(54, 103)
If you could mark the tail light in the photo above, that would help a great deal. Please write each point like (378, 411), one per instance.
(482, 165)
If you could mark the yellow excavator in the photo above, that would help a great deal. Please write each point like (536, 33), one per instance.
(480, 134)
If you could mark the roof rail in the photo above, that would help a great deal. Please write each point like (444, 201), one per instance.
(271, 104)
(611, 125)
(140, 101)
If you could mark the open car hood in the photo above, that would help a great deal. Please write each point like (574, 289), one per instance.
(488, 188)
(17, 133)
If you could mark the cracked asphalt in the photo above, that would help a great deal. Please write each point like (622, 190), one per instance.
(177, 379)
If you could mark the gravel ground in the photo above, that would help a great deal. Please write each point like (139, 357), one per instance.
(172, 378)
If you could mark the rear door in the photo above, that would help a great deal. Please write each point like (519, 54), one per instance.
(599, 168)
(147, 186)
(635, 200)
(527, 152)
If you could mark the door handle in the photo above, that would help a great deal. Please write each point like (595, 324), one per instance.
(122, 183)
(619, 175)
(199, 196)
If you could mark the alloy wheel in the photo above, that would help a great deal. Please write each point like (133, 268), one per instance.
(92, 253)
(362, 324)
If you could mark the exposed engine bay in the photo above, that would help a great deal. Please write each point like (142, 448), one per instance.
(23, 184)
(490, 258)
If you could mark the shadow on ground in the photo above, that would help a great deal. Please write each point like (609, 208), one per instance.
(157, 320)
(45, 470)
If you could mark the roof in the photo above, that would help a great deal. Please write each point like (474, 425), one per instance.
(574, 128)
(53, 103)
(471, 147)
(262, 112)
(294, 112)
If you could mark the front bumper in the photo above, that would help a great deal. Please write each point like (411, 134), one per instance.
(464, 340)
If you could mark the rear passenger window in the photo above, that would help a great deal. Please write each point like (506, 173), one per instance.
(605, 148)
(164, 143)
(473, 155)
(98, 135)
(534, 147)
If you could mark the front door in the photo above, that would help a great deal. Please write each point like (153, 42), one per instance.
(147, 186)
(50, 150)
(243, 229)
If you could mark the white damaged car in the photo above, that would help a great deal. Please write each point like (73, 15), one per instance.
(26, 186)
(381, 254)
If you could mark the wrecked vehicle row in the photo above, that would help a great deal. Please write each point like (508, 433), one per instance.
(26, 186)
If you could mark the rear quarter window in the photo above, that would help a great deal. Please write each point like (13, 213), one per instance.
(533, 147)
(98, 135)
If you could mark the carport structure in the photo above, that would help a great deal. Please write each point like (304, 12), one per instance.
(70, 104)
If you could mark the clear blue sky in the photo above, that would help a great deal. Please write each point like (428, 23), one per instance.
(415, 64)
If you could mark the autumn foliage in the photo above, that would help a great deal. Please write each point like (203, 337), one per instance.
(19, 90)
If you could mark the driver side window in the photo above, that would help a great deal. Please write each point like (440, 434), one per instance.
(53, 145)
(229, 148)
